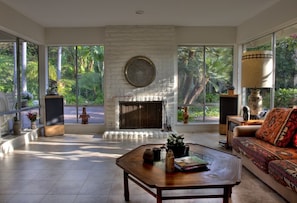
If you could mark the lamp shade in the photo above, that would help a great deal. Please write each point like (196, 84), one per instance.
(257, 69)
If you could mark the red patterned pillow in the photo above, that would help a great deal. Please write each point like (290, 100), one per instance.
(279, 126)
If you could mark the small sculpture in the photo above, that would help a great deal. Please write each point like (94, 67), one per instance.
(185, 115)
(53, 88)
(84, 116)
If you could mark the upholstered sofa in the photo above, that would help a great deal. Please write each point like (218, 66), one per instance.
(269, 151)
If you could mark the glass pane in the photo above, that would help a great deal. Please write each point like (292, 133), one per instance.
(286, 68)
(90, 82)
(190, 75)
(7, 67)
(62, 69)
(263, 43)
(79, 72)
(7, 82)
(30, 83)
(219, 69)
(29, 80)
(203, 74)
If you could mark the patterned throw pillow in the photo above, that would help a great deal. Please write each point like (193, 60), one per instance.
(279, 126)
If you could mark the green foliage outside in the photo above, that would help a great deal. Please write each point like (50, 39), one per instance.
(286, 62)
(215, 79)
(6, 67)
(203, 74)
(8, 70)
(286, 71)
(81, 73)
(196, 113)
(285, 97)
(200, 84)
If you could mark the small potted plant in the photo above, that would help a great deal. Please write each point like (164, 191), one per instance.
(231, 90)
(32, 116)
(176, 144)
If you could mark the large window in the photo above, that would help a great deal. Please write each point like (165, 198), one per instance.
(79, 73)
(19, 81)
(204, 72)
(286, 68)
(285, 47)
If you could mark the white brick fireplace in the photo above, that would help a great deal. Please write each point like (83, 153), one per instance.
(124, 42)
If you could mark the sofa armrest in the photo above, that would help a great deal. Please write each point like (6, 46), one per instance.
(245, 130)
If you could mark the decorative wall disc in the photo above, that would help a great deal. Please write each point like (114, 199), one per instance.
(140, 71)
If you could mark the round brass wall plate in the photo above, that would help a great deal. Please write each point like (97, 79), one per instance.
(140, 71)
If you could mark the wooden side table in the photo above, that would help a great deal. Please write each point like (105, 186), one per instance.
(232, 122)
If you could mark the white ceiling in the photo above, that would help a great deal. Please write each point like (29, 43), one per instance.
(98, 13)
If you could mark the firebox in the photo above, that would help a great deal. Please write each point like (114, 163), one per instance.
(140, 114)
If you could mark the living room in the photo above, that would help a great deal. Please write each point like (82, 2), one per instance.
(236, 36)
(158, 42)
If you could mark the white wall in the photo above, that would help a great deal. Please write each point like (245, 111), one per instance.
(124, 42)
(74, 36)
(19, 25)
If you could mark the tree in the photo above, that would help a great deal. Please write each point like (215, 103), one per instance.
(286, 62)
(196, 75)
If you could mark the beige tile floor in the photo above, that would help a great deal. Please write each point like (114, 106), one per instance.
(81, 168)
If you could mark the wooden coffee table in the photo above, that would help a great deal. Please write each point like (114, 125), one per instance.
(224, 172)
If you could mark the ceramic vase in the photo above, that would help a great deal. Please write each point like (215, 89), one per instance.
(17, 127)
(255, 102)
(33, 125)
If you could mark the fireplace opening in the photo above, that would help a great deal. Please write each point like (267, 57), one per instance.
(140, 114)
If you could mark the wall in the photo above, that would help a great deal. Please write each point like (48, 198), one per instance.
(19, 25)
(74, 36)
(205, 35)
(125, 42)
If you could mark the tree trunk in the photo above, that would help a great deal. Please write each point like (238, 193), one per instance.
(196, 91)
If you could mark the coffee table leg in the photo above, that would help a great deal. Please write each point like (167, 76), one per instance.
(159, 195)
(126, 186)
(227, 194)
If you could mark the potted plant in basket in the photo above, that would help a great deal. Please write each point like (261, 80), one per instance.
(176, 144)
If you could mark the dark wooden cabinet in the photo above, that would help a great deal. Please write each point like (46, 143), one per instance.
(54, 115)
(228, 106)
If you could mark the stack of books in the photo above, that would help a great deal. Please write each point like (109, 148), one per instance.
(190, 163)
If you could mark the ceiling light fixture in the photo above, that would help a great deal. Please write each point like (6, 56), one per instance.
(139, 12)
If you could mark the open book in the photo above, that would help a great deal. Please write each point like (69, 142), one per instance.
(188, 163)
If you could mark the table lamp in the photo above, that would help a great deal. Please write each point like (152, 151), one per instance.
(256, 73)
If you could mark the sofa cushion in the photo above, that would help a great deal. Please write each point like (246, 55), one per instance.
(294, 140)
(284, 172)
(279, 126)
(261, 152)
